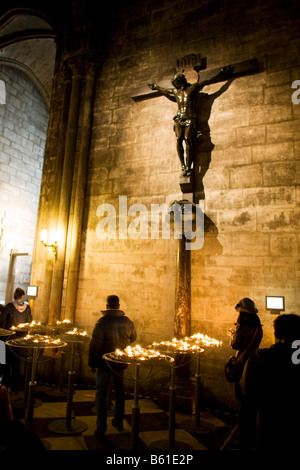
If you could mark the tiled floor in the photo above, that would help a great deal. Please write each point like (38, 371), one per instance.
(153, 425)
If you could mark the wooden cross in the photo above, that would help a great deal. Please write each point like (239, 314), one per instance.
(192, 181)
(240, 69)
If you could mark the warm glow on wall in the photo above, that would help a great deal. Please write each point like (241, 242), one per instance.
(53, 246)
(44, 236)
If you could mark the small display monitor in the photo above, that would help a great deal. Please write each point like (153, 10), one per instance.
(275, 304)
(32, 291)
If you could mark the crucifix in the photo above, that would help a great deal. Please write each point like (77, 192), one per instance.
(191, 126)
(194, 149)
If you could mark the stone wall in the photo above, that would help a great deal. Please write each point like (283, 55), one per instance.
(251, 187)
(23, 126)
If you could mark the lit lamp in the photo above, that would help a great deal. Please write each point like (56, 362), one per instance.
(53, 246)
(275, 304)
(31, 294)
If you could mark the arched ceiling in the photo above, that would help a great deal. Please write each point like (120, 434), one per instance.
(27, 41)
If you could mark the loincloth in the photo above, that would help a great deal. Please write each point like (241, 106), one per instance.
(185, 122)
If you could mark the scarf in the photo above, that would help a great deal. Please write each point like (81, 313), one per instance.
(21, 307)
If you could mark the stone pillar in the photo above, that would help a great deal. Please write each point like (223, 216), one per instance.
(66, 191)
(43, 260)
(75, 223)
(61, 209)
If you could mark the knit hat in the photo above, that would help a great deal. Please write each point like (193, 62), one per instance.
(246, 305)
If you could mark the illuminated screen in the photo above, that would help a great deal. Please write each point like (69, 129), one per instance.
(275, 303)
(32, 291)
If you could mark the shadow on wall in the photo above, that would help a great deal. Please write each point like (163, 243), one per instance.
(203, 144)
(211, 245)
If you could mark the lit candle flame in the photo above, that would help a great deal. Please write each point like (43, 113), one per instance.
(37, 339)
(41, 339)
(76, 332)
(189, 343)
(26, 325)
(205, 340)
(139, 353)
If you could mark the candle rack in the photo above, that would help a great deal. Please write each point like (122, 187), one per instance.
(69, 425)
(4, 335)
(61, 327)
(189, 345)
(35, 344)
(24, 329)
(136, 356)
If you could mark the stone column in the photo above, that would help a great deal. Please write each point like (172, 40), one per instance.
(43, 260)
(75, 223)
(66, 190)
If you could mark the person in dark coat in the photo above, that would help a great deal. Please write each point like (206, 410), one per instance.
(245, 339)
(270, 387)
(114, 330)
(13, 314)
(247, 336)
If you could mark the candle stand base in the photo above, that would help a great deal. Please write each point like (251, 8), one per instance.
(165, 445)
(19, 403)
(204, 427)
(60, 426)
(56, 393)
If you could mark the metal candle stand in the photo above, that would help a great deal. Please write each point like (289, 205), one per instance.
(135, 407)
(69, 425)
(35, 342)
(4, 334)
(197, 425)
(135, 411)
(59, 391)
(61, 328)
(171, 443)
(29, 328)
(192, 345)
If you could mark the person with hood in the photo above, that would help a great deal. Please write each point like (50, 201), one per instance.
(245, 340)
(114, 330)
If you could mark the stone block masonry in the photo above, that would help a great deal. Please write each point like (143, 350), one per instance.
(252, 196)
(23, 125)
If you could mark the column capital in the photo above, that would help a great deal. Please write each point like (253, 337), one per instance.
(82, 64)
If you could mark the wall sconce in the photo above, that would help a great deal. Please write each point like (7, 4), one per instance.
(53, 246)
(275, 304)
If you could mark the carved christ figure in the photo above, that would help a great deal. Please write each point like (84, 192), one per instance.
(185, 121)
